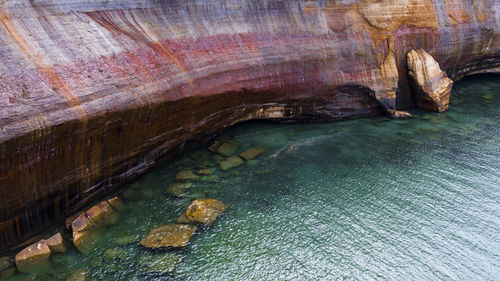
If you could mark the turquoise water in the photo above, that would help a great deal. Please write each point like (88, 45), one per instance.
(364, 199)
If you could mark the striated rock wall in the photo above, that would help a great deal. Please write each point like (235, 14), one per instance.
(93, 93)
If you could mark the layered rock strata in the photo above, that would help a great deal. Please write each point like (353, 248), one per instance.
(431, 85)
(94, 93)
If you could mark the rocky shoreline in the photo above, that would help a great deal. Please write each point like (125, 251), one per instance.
(96, 94)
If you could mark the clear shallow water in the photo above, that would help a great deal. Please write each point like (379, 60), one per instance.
(364, 199)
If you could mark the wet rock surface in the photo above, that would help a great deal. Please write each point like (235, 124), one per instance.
(33, 258)
(205, 211)
(168, 236)
(430, 84)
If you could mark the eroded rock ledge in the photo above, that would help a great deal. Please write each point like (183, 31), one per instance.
(96, 93)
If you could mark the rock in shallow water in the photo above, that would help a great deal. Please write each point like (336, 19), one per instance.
(231, 162)
(186, 175)
(251, 153)
(430, 84)
(78, 275)
(34, 258)
(56, 244)
(86, 226)
(205, 211)
(168, 236)
(178, 189)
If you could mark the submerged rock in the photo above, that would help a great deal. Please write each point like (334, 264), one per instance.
(86, 226)
(209, 178)
(251, 153)
(430, 84)
(186, 175)
(168, 236)
(205, 172)
(115, 253)
(178, 189)
(231, 162)
(205, 211)
(78, 275)
(34, 258)
(164, 263)
(225, 148)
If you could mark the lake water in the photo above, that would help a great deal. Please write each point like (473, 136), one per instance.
(364, 199)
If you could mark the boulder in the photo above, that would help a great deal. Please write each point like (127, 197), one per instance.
(56, 244)
(178, 189)
(231, 162)
(251, 153)
(168, 236)
(430, 84)
(205, 211)
(86, 226)
(186, 175)
(102, 214)
(34, 258)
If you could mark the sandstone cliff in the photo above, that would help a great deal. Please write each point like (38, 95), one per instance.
(96, 92)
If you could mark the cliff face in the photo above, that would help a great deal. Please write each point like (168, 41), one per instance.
(96, 92)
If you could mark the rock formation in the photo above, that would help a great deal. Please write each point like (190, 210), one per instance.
(95, 93)
(431, 85)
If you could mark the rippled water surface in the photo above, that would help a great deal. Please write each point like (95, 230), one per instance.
(364, 199)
